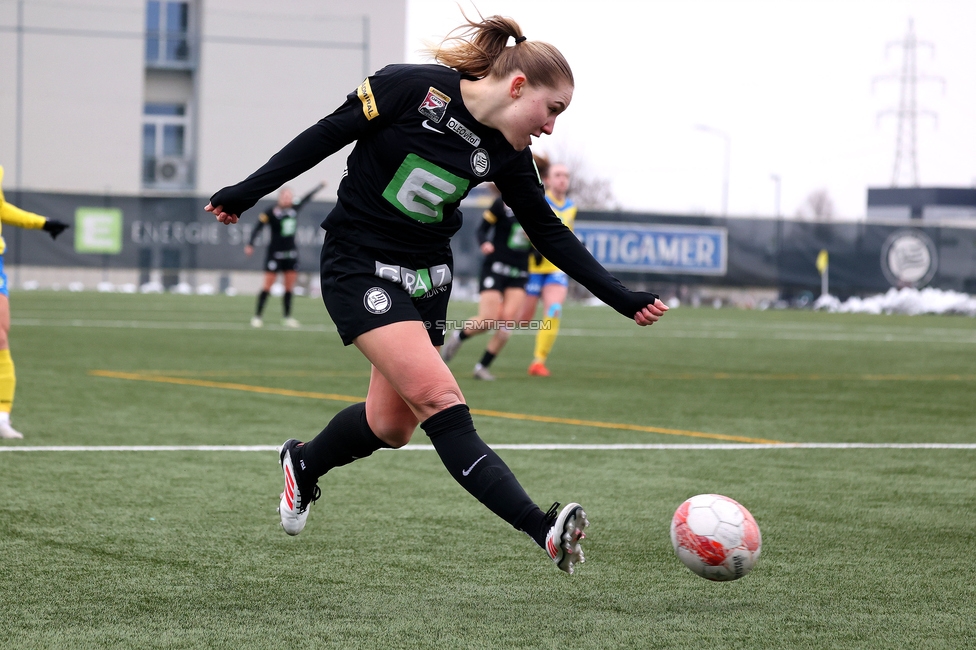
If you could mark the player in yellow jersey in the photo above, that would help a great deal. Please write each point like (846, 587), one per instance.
(545, 279)
(11, 214)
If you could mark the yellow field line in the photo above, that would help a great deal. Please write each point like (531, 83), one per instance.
(627, 427)
(181, 381)
(162, 379)
(600, 375)
(783, 377)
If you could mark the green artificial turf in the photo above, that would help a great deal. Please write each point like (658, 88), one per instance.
(863, 548)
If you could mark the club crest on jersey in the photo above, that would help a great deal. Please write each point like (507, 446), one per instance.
(464, 132)
(480, 163)
(377, 301)
(434, 105)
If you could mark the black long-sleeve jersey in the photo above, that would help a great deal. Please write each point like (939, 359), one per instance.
(418, 153)
(283, 222)
(511, 245)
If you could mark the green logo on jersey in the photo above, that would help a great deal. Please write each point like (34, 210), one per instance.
(288, 226)
(420, 189)
(518, 240)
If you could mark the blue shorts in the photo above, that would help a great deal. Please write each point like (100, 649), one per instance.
(538, 280)
(3, 280)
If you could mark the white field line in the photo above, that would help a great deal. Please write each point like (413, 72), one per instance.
(536, 447)
(160, 325)
(760, 332)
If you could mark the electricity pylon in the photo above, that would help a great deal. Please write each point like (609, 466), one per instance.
(908, 111)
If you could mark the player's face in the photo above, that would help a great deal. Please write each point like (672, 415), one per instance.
(285, 198)
(557, 181)
(533, 112)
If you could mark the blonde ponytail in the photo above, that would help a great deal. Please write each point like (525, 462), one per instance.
(480, 49)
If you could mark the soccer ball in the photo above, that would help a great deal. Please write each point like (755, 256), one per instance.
(715, 537)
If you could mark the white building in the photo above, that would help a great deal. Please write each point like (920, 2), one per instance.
(137, 97)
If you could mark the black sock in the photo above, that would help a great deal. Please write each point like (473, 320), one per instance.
(462, 336)
(287, 303)
(346, 438)
(535, 526)
(262, 297)
(478, 469)
(486, 359)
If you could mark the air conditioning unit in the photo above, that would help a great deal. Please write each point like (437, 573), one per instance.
(172, 171)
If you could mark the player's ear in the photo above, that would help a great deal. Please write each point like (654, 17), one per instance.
(516, 84)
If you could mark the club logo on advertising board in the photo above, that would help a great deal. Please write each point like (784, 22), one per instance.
(909, 258)
(434, 105)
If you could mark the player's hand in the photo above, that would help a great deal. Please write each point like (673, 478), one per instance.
(222, 216)
(248, 250)
(650, 314)
(487, 248)
(55, 227)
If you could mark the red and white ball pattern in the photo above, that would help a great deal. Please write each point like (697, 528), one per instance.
(715, 537)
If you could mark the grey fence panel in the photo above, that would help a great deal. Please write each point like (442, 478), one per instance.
(157, 232)
(172, 233)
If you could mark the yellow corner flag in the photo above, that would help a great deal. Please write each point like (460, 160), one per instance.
(822, 261)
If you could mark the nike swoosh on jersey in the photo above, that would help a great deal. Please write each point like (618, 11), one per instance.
(430, 128)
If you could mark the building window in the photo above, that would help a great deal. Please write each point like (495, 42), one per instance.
(168, 34)
(165, 155)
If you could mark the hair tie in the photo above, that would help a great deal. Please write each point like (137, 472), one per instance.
(519, 39)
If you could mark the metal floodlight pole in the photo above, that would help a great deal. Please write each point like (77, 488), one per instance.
(776, 180)
(728, 158)
(19, 103)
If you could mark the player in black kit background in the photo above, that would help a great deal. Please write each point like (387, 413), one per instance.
(282, 255)
(425, 135)
(501, 285)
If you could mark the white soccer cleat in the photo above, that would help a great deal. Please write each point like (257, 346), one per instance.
(291, 322)
(565, 533)
(480, 372)
(9, 433)
(296, 498)
(451, 346)
(256, 321)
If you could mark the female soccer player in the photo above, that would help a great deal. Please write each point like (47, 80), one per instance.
(282, 255)
(545, 278)
(13, 215)
(502, 283)
(425, 135)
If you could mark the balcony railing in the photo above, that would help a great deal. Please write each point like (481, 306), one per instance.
(173, 50)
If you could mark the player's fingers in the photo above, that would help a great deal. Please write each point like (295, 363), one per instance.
(652, 313)
(645, 317)
(660, 305)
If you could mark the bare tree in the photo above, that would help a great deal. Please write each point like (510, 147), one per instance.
(591, 192)
(817, 206)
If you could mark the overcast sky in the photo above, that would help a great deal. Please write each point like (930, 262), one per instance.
(789, 81)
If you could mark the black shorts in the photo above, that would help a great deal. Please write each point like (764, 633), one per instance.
(365, 288)
(498, 276)
(281, 261)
